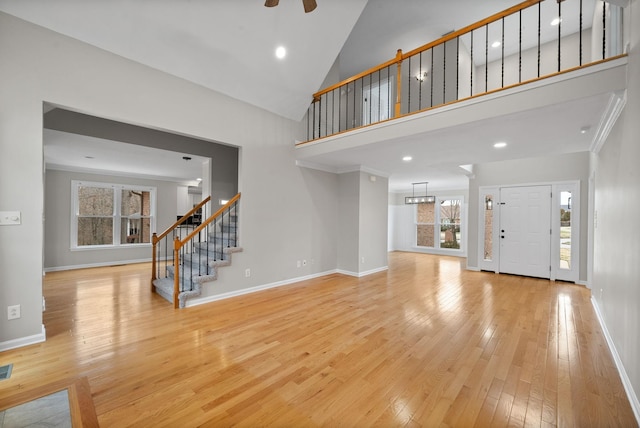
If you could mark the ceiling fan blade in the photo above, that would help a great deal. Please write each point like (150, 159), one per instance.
(309, 5)
(271, 3)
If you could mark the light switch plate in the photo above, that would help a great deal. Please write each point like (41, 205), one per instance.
(8, 218)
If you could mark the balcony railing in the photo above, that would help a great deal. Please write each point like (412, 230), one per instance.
(533, 40)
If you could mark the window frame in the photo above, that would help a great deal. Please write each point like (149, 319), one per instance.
(116, 215)
(437, 224)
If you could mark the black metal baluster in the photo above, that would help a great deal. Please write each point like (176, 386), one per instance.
(409, 86)
(457, 68)
(444, 72)
(486, 58)
(559, 35)
(432, 77)
(502, 56)
(539, 24)
(580, 33)
(379, 94)
(472, 67)
(604, 29)
(520, 48)
(420, 81)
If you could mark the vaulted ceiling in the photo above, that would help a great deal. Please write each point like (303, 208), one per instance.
(229, 45)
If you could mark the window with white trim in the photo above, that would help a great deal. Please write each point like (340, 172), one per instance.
(108, 215)
(439, 225)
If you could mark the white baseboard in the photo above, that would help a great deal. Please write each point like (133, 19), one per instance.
(473, 268)
(222, 296)
(361, 274)
(24, 341)
(626, 382)
(93, 265)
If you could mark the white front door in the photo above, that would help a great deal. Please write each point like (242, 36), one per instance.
(525, 230)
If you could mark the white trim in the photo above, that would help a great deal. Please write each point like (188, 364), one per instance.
(473, 268)
(92, 265)
(611, 114)
(626, 382)
(342, 169)
(227, 295)
(24, 341)
(361, 274)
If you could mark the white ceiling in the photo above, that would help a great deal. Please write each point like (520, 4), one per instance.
(228, 46)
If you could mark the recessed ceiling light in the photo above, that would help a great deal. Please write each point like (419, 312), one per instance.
(500, 145)
(281, 52)
(556, 21)
(585, 129)
(407, 158)
(495, 44)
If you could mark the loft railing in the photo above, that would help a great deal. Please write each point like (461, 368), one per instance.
(185, 250)
(510, 48)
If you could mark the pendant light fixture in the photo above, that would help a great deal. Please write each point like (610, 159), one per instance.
(425, 199)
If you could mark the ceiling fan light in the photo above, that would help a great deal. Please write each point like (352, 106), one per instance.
(309, 5)
(271, 3)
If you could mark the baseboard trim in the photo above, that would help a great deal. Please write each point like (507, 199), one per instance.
(222, 296)
(361, 274)
(24, 341)
(93, 265)
(626, 382)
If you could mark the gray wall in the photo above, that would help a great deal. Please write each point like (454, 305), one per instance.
(363, 222)
(281, 204)
(224, 158)
(57, 224)
(573, 166)
(615, 284)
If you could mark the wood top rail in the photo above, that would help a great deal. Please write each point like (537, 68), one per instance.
(401, 56)
(182, 219)
(180, 243)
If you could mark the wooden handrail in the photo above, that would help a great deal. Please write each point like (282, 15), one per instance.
(155, 238)
(441, 40)
(204, 224)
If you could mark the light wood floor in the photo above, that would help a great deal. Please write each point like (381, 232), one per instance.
(424, 344)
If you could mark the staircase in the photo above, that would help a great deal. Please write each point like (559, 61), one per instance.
(198, 253)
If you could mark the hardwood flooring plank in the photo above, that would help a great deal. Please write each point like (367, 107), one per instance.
(426, 343)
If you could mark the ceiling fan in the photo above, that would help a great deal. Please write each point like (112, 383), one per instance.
(309, 5)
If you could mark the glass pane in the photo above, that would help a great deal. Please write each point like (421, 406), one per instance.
(450, 223)
(135, 202)
(450, 236)
(135, 230)
(488, 227)
(425, 213)
(95, 231)
(95, 201)
(425, 234)
(565, 230)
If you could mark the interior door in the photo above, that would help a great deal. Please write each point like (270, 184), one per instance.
(525, 231)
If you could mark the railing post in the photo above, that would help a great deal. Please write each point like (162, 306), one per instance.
(154, 240)
(176, 272)
(398, 83)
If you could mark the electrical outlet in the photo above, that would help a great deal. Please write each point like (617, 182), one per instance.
(13, 312)
(298, 263)
(247, 273)
(304, 263)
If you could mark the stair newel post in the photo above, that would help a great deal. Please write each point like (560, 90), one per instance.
(176, 271)
(154, 240)
(398, 105)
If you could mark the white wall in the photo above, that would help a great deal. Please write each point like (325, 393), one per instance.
(57, 225)
(281, 204)
(616, 286)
